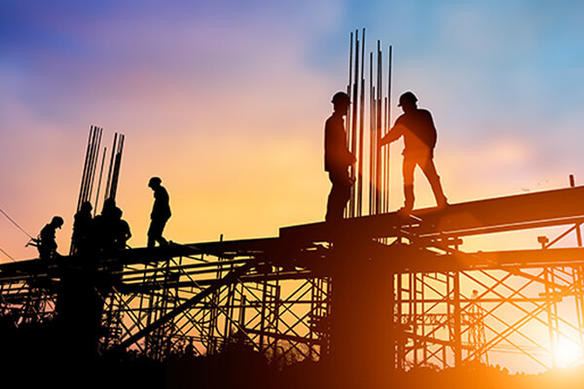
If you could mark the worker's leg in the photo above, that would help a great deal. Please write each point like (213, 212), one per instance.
(153, 233)
(431, 174)
(339, 195)
(161, 241)
(408, 172)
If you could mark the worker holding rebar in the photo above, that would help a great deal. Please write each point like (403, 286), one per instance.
(338, 158)
(160, 213)
(417, 128)
(47, 245)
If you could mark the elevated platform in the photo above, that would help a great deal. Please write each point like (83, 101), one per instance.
(298, 246)
(524, 211)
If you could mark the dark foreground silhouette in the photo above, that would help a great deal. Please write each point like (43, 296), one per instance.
(41, 355)
(160, 213)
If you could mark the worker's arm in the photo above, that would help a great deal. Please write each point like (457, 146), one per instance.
(392, 135)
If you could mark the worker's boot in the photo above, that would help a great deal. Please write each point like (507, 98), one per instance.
(409, 200)
(441, 200)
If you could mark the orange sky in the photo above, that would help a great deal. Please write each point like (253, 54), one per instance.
(227, 105)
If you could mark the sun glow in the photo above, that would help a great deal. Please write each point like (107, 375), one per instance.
(568, 353)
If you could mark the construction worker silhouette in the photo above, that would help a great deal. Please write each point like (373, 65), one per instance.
(121, 231)
(83, 229)
(337, 158)
(417, 128)
(160, 213)
(104, 226)
(47, 244)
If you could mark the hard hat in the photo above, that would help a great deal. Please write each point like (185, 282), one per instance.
(407, 97)
(341, 97)
(57, 221)
(154, 181)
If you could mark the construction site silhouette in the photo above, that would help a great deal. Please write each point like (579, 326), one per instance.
(371, 297)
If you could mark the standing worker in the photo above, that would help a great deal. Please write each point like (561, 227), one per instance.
(338, 158)
(47, 245)
(417, 127)
(121, 230)
(160, 213)
(83, 230)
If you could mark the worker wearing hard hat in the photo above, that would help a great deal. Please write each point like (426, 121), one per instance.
(417, 128)
(47, 245)
(338, 158)
(160, 212)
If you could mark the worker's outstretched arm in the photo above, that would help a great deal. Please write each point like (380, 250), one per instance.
(392, 135)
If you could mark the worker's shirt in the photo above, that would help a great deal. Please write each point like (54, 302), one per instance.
(336, 153)
(161, 207)
(47, 236)
(82, 226)
(418, 130)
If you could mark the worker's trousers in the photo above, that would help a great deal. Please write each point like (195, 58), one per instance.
(155, 232)
(426, 163)
(339, 195)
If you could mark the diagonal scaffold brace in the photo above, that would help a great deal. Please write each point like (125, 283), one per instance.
(230, 278)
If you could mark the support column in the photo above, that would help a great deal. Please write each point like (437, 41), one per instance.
(362, 354)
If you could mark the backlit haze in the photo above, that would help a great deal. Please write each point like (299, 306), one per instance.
(226, 101)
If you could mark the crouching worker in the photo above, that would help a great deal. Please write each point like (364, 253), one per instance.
(47, 245)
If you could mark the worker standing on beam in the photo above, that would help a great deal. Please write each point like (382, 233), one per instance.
(83, 230)
(47, 245)
(338, 158)
(160, 213)
(417, 127)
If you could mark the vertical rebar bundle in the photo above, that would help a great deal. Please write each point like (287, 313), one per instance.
(378, 119)
(90, 166)
(114, 168)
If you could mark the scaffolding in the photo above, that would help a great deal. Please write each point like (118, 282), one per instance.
(276, 294)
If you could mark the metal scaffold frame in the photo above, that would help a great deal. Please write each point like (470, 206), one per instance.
(276, 294)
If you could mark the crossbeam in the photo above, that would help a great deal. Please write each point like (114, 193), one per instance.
(531, 210)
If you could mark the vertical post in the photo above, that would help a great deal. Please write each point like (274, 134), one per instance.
(354, 100)
(361, 130)
(378, 187)
(93, 165)
(83, 175)
(99, 181)
(398, 320)
(111, 165)
(413, 312)
(457, 321)
(392, 338)
(550, 322)
(263, 310)
(349, 117)
(579, 283)
(388, 127)
(371, 126)
(578, 225)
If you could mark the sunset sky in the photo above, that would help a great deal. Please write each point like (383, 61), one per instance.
(226, 100)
